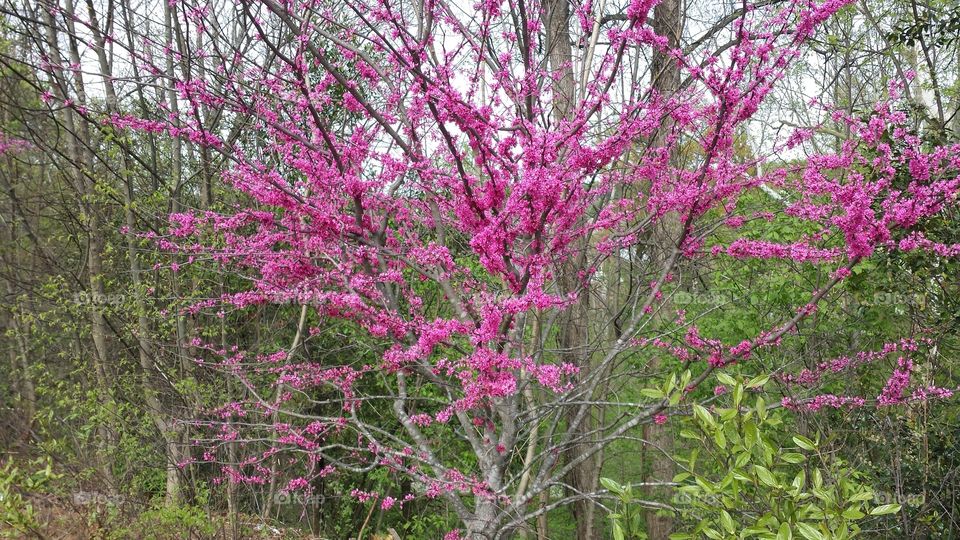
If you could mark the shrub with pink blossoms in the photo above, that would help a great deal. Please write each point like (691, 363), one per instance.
(456, 215)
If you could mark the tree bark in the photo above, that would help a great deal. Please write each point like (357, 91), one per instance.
(573, 332)
(145, 350)
(79, 171)
(665, 74)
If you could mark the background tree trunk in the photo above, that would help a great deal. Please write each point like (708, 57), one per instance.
(665, 74)
(573, 335)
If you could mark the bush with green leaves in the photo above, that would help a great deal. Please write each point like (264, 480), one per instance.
(172, 522)
(627, 520)
(18, 517)
(739, 481)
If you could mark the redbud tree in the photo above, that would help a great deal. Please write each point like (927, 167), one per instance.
(493, 203)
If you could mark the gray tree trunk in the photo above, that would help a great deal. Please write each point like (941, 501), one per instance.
(667, 21)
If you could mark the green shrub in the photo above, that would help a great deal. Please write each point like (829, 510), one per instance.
(738, 482)
(17, 514)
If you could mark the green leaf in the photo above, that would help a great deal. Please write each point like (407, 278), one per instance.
(617, 531)
(885, 509)
(727, 414)
(804, 443)
(720, 439)
(726, 379)
(765, 475)
(750, 433)
(611, 485)
(704, 415)
(727, 521)
(852, 513)
(671, 384)
(809, 532)
(758, 381)
(784, 533)
(653, 393)
(792, 457)
(761, 409)
(824, 495)
(799, 480)
(712, 533)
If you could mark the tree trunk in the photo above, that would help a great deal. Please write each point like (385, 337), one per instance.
(572, 337)
(79, 171)
(145, 350)
(665, 76)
